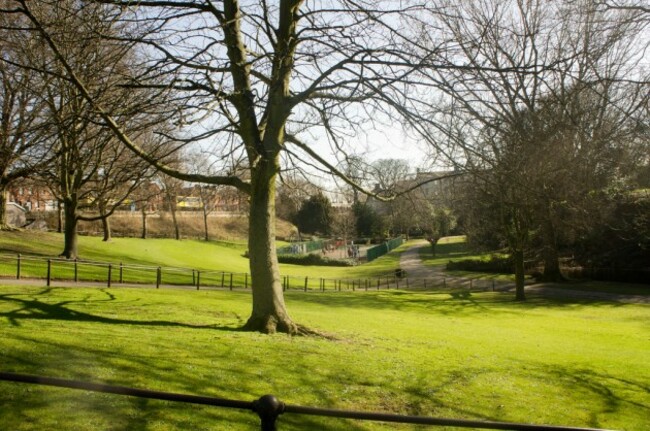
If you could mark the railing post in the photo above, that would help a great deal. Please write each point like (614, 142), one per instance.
(110, 270)
(18, 267)
(121, 273)
(76, 270)
(223, 276)
(198, 279)
(306, 281)
(246, 281)
(231, 281)
(268, 408)
(158, 277)
(49, 272)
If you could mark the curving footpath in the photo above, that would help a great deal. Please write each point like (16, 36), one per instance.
(422, 276)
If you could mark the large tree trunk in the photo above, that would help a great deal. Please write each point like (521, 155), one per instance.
(269, 313)
(3, 208)
(59, 216)
(171, 200)
(70, 229)
(550, 253)
(106, 225)
(144, 222)
(205, 224)
(518, 255)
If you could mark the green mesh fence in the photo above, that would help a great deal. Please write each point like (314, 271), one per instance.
(381, 249)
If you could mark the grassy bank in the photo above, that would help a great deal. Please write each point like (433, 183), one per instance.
(195, 254)
(479, 356)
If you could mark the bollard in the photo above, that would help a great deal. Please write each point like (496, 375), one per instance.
(158, 277)
(49, 272)
(18, 267)
(76, 270)
(246, 281)
(306, 281)
(121, 273)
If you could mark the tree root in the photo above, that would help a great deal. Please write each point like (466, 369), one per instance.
(272, 324)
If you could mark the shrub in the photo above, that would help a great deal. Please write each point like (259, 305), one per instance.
(498, 265)
(313, 259)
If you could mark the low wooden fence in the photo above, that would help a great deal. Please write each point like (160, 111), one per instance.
(109, 274)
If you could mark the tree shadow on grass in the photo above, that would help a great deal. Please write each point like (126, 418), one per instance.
(35, 309)
(445, 302)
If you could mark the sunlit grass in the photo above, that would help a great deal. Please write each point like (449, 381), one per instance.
(462, 355)
(213, 256)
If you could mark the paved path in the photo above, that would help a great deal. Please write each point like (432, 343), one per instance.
(422, 276)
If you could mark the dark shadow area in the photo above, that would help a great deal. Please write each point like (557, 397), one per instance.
(34, 309)
(447, 302)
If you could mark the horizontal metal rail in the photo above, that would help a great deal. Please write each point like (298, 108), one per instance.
(269, 408)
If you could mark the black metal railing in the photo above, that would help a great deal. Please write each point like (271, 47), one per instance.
(269, 408)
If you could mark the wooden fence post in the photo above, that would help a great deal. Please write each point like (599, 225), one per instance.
(121, 273)
(158, 277)
(246, 281)
(223, 276)
(198, 279)
(49, 272)
(76, 270)
(231, 281)
(306, 282)
(110, 270)
(18, 267)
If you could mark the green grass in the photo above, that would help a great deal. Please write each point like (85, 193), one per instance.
(192, 254)
(476, 356)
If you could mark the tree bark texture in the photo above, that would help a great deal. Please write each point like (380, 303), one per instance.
(269, 312)
(3, 208)
(520, 294)
(550, 253)
(70, 234)
(144, 223)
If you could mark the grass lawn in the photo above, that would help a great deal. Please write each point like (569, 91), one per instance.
(475, 356)
(194, 254)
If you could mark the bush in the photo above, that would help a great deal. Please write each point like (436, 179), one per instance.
(497, 265)
(313, 259)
